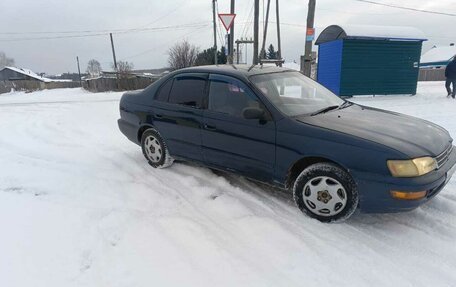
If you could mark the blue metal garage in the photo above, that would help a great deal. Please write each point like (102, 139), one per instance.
(369, 60)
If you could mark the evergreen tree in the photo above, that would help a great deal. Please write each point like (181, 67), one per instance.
(206, 57)
(263, 54)
(221, 56)
(272, 54)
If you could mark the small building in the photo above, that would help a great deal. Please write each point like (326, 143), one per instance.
(12, 78)
(438, 57)
(20, 74)
(369, 60)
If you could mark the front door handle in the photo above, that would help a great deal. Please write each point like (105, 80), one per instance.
(209, 127)
(158, 116)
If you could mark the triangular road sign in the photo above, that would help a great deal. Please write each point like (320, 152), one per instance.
(227, 20)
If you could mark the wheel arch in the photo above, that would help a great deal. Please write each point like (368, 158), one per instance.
(297, 167)
(142, 129)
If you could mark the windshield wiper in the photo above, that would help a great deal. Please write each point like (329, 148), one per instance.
(324, 110)
(345, 105)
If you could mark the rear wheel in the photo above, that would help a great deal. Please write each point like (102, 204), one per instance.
(155, 149)
(326, 192)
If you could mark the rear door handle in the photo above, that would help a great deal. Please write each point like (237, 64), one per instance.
(209, 127)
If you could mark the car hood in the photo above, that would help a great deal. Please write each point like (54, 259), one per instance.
(412, 136)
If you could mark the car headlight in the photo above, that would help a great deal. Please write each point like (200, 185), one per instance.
(412, 168)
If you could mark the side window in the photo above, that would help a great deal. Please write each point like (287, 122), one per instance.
(230, 97)
(188, 91)
(163, 92)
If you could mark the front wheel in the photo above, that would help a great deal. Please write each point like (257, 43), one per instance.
(326, 192)
(155, 149)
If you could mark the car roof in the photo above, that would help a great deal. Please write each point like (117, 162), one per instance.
(236, 70)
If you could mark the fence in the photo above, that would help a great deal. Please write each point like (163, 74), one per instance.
(29, 85)
(111, 84)
(429, 74)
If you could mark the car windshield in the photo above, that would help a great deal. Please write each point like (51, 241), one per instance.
(294, 94)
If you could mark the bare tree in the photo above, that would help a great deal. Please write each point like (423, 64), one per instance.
(182, 55)
(5, 61)
(94, 68)
(124, 68)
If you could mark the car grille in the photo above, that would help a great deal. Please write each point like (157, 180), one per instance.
(444, 156)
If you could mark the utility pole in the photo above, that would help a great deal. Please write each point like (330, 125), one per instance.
(215, 32)
(256, 31)
(265, 32)
(231, 47)
(113, 52)
(308, 50)
(79, 71)
(279, 42)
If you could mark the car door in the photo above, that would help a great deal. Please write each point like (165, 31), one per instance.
(177, 114)
(229, 140)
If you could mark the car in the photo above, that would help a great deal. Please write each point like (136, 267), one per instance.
(276, 126)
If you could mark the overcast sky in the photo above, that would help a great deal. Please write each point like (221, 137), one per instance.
(22, 21)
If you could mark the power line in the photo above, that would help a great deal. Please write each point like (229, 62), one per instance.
(356, 13)
(154, 29)
(97, 31)
(179, 6)
(249, 7)
(248, 23)
(406, 8)
(154, 49)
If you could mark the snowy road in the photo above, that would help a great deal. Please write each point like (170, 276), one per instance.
(79, 206)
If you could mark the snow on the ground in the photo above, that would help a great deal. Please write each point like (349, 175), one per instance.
(79, 206)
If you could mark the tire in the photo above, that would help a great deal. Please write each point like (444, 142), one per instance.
(155, 149)
(326, 192)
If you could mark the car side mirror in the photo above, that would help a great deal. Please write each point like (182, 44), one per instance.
(253, 113)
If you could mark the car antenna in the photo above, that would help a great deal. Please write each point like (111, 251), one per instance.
(234, 67)
(251, 67)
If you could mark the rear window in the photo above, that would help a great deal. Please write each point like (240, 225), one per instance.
(188, 91)
(163, 93)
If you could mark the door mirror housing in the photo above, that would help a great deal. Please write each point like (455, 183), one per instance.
(253, 113)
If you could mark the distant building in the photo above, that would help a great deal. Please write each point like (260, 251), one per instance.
(438, 57)
(17, 74)
(146, 73)
(12, 78)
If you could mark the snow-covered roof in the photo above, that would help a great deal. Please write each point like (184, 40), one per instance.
(439, 54)
(29, 73)
(335, 32)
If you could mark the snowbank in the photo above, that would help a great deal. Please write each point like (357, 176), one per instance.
(79, 206)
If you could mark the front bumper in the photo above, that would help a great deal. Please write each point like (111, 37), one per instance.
(375, 195)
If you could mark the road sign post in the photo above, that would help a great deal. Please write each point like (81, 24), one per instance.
(227, 21)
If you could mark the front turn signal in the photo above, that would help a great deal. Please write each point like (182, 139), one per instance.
(408, 195)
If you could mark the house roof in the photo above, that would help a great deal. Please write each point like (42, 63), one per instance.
(336, 32)
(29, 73)
(439, 54)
